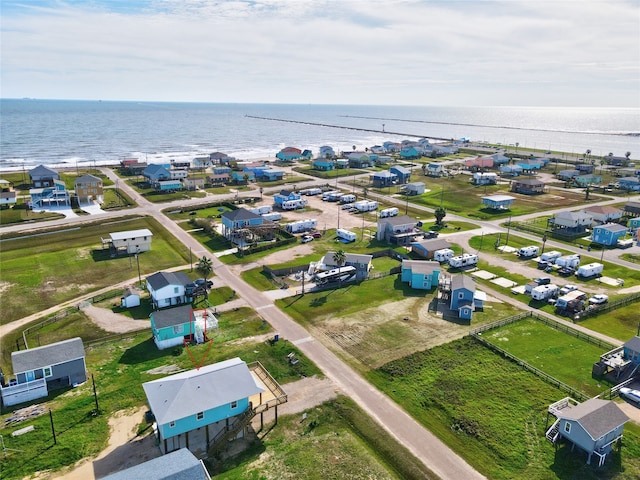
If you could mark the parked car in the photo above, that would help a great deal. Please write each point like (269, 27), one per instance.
(307, 238)
(316, 235)
(542, 280)
(566, 271)
(568, 288)
(599, 299)
(542, 265)
(430, 234)
(347, 206)
(201, 282)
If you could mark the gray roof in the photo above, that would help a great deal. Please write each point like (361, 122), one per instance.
(172, 316)
(143, 232)
(47, 355)
(421, 266)
(240, 214)
(598, 417)
(178, 465)
(633, 344)
(187, 393)
(403, 170)
(613, 227)
(42, 171)
(399, 220)
(162, 279)
(529, 181)
(463, 281)
(573, 215)
(433, 244)
(87, 178)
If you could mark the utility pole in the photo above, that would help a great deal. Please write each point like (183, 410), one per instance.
(138, 262)
(95, 394)
(53, 430)
(506, 242)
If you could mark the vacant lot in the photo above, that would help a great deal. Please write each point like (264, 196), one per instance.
(47, 268)
(493, 413)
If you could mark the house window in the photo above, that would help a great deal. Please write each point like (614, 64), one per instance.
(567, 427)
(175, 290)
(38, 373)
(172, 424)
(234, 404)
(177, 329)
(460, 295)
(47, 372)
(199, 415)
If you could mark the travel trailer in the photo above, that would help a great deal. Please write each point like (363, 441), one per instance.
(347, 198)
(443, 255)
(346, 235)
(528, 252)
(464, 260)
(544, 292)
(550, 256)
(590, 270)
(294, 204)
(570, 261)
(335, 275)
(301, 225)
(366, 205)
(389, 212)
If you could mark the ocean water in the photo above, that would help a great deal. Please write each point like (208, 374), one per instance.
(62, 133)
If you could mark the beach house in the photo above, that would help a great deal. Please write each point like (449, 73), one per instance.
(55, 195)
(168, 289)
(129, 241)
(288, 154)
(42, 177)
(174, 326)
(42, 369)
(361, 262)
(88, 189)
(528, 186)
(608, 234)
(400, 230)
(498, 202)
(420, 274)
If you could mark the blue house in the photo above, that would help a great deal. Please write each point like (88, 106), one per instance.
(630, 183)
(420, 274)
(219, 170)
(243, 177)
(409, 152)
(285, 196)
(513, 170)
(324, 165)
(288, 154)
(385, 178)
(271, 175)
(171, 327)
(608, 234)
(403, 173)
(306, 155)
(587, 179)
(463, 290)
(42, 369)
(567, 174)
(155, 172)
(498, 202)
(42, 177)
(500, 159)
(631, 350)
(391, 147)
(55, 195)
(167, 185)
(234, 220)
(192, 407)
(529, 164)
(633, 224)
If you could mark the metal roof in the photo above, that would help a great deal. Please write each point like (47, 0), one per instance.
(598, 417)
(47, 355)
(187, 393)
(240, 214)
(421, 266)
(144, 232)
(463, 281)
(633, 344)
(172, 316)
(162, 279)
(178, 465)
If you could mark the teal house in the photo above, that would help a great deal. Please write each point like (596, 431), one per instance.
(608, 234)
(420, 274)
(191, 408)
(171, 327)
(324, 165)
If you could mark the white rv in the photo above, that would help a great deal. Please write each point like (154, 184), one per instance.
(326, 195)
(346, 235)
(464, 260)
(443, 255)
(261, 210)
(388, 212)
(544, 292)
(301, 225)
(528, 252)
(335, 275)
(274, 216)
(571, 261)
(590, 270)
(550, 256)
(348, 198)
(313, 191)
(366, 205)
(294, 204)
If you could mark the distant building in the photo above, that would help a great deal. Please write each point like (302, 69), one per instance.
(88, 189)
(604, 213)
(403, 174)
(382, 179)
(498, 202)
(43, 177)
(528, 186)
(399, 230)
(288, 154)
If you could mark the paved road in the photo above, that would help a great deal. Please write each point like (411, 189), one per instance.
(424, 445)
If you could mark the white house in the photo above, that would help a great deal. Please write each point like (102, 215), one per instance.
(130, 241)
(168, 288)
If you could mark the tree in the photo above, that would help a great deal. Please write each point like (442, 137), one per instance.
(204, 267)
(627, 155)
(340, 258)
(354, 148)
(440, 213)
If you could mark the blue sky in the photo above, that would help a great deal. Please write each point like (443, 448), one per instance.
(393, 52)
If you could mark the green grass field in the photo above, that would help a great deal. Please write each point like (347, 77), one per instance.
(493, 413)
(45, 269)
(563, 356)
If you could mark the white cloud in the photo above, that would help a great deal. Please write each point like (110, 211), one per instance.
(333, 51)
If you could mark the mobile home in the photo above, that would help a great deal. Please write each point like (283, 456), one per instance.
(294, 204)
(571, 261)
(301, 225)
(261, 210)
(550, 256)
(366, 205)
(348, 198)
(543, 292)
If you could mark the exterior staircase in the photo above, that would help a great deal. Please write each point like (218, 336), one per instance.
(554, 432)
